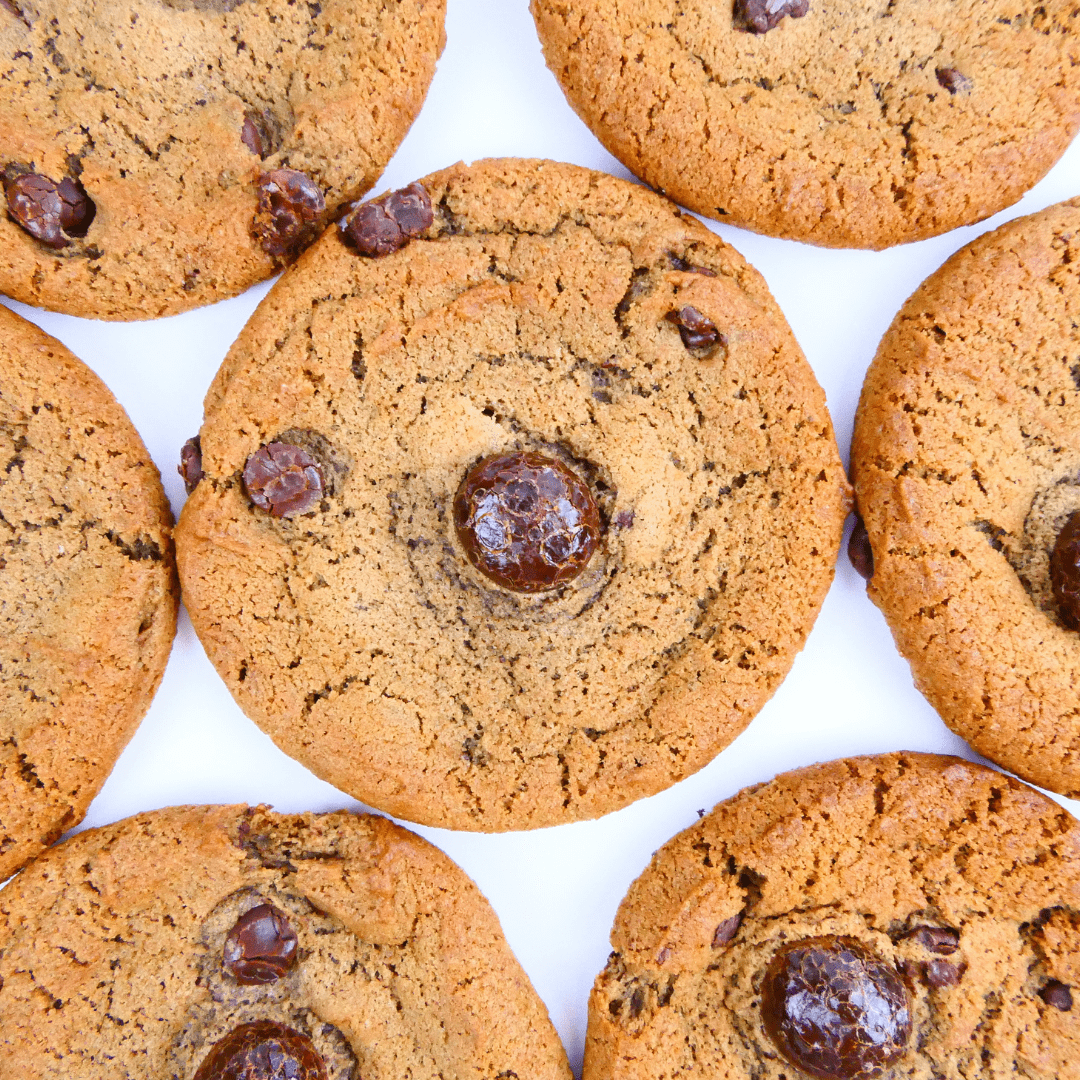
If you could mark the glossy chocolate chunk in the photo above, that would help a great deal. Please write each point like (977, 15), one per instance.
(261, 947)
(190, 467)
(52, 212)
(860, 553)
(1058, 995)
(290, 204)
(526, 521)
(283, 479)
(387, 224)
(726, 931)
(836, 1010)
(1065, 572)
(761, 16)
(699, 334)
(263, 1050)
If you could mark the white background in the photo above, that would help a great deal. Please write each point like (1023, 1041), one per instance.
(555, 890)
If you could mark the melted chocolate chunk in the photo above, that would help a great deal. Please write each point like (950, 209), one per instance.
(264, 1050)
(50, 212)
(386, 225)
(699, 334)
(1065, 572)
(261, 947)
(939, 973)
(190, 467)
(1057, 994)
(942, 940)
(760, 16)
(726, 931)
(835, 1009)
(526, 521)
(953, 80)
(859, 550)
(290, 204)
(283, 479)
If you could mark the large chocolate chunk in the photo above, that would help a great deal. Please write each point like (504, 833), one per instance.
(261, 947)
(760, 16)
(48, 210)
(263, 1050)
(283, 479)
(386, 225)
(290, 205)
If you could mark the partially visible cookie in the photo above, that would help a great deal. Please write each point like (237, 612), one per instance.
(907, 915)
(88, 592)
(156, 155)
(217, 942)
(547, 356)
(966, 461)
(848, 125)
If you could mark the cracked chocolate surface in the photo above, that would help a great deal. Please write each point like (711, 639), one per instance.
(530, 318)
(844, 125)
(909, 858)
(111, 957)
(143, 196)
(88, 592)
(966, 463)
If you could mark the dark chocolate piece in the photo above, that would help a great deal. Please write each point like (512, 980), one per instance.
(261, 947)
(1065, 572)
(190, 467)
(283, 479)
(387, 224)
(699, 334)
(859, 550)
(761, 16)
(290, 204)
(263, 1050)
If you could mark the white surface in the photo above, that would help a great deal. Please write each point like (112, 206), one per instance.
(555, 890)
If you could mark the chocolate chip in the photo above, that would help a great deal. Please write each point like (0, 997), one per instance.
(290, 204)
(836, 1010)
(13, 9)
(526, 521)
(685, 267)
(387, 224)
(251, 136)
(261, 947)
(859, 550)
(939, 939)
(1057, 994)
(283, 479)
(624, 519)
(760, 16)
(1065, 572)
(50, 212)
(699, 334)
(953, 80)
(190, 467)
(263, 1050)
(941, 973)
(726, 931)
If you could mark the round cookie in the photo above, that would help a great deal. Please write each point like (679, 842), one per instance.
(161, 154)
(154, 947)
(88, 591)
(966, 458)
(944, 894)
(548, 311)
(858, 125)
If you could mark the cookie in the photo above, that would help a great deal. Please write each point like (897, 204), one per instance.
(88, 592)
(907, 915)
(218, 942)
(858, 125)
(161, 154)
(966, 460)
(522, 520)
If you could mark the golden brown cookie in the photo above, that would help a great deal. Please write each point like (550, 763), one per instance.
(966, 460)
(160, 154)
(225, 942)
(853, 125)
(557, 314)
(907, 915)
(88, 592)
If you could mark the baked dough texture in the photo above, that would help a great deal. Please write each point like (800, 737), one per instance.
(111, 952)
(145, 103)
(966, 461)
(856, 125)
(531, 316)
(88, 591)
(891, 851)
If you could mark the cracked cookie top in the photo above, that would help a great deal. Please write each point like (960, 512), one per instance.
(847, 125)
(532, 316)
(938, 902)
(119, 947)
(88, 592)
(156, 155)
(966, 461)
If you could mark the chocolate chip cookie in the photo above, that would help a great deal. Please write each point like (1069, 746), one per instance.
(522, 520)
(226, 942)
(156, 155)
(88, 592)
(966, 459)
(907, 915)
(848, 125)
